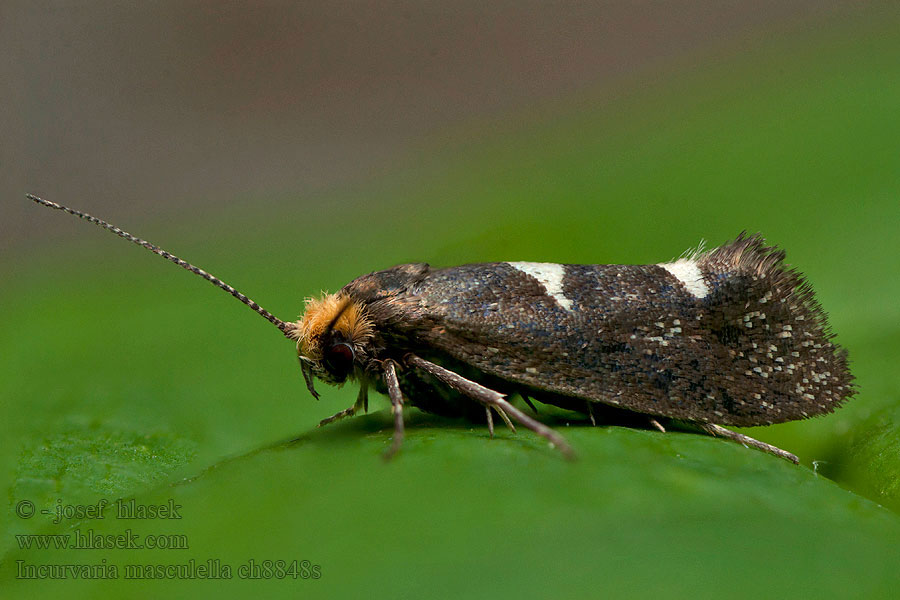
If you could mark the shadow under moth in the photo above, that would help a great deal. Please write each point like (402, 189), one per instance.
(727, 336)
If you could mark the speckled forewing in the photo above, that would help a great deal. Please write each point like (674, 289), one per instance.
(733, 338)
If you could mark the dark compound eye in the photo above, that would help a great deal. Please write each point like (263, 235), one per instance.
(340, 357)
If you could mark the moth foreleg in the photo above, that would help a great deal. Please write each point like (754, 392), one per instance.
(491, 398)
(718, 430)
(393, 388)
(362, 399)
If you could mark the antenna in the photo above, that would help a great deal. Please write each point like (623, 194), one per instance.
(169, 256)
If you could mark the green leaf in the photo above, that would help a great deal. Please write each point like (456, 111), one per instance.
(458, 514)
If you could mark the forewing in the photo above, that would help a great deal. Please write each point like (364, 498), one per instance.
(641, 337)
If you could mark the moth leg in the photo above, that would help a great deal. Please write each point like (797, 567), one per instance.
(393, 387)
(364, 394)
(505, 418)
(591, 413)
(361, 400)
(490, 419)
(491, 398)
(657, 425)
(528, 402)
(718, 430)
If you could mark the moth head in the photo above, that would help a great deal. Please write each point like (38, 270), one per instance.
(333, 337)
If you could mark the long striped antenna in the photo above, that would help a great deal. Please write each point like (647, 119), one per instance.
(169, 256)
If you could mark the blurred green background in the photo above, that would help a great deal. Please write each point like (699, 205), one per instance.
(290, 149)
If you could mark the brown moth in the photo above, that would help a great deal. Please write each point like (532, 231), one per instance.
(729, 336)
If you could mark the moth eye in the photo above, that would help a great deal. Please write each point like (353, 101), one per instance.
(340, 357)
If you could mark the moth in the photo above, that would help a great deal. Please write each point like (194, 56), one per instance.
(729, 336)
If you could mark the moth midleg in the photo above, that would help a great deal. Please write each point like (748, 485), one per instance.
(393, 388)
(362, 399)
(718, 430)
(490, 420)
(491, 398)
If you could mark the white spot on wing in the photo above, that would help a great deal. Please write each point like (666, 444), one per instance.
(550, 275)
(687, 272)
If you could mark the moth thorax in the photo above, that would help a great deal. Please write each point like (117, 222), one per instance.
(331, 319)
